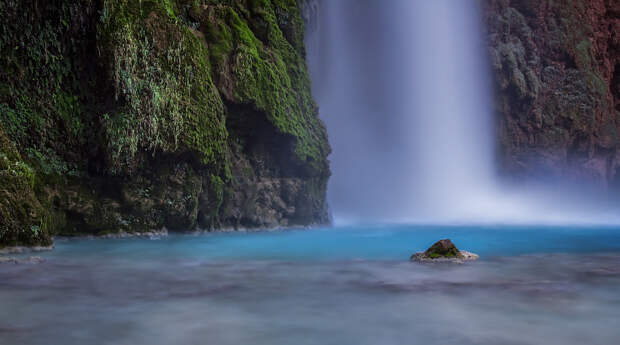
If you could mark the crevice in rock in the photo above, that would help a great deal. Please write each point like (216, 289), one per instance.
(271, 153)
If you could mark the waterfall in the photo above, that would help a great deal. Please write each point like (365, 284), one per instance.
(404, 89)
(449, 105)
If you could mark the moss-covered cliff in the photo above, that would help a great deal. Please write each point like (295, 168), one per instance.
(557, 71)
(135, 115)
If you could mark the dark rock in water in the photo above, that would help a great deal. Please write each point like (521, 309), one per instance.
(442, 248)
(444, 251)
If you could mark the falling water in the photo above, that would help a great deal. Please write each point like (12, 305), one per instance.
(449, 106)
(404, 88)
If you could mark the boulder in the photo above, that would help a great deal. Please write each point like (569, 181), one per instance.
(444, 251)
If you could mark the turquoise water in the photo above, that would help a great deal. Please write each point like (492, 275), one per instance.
(367, 243)
(355, 285)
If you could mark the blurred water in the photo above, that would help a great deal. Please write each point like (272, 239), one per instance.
(404, 88)
(354, 285)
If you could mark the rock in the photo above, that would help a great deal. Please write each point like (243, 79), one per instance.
(16, 261)
(155, 234)
(22, 249)
(233, 138)
(555, 68)
(442, 248)
(21, 213)
(444, 251)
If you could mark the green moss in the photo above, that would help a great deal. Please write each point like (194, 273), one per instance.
(216, 190)
(162, 81)
(252, 58)
(68, 109)
(582, 54)
(577, 37)
(158, 65)
(442, 249)
(41, 106)
(217, 187)
(22, 218)
(47, 162)
(21, 119)
(39, 75)
(102, 93)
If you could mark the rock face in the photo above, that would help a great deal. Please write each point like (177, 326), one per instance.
(133, 116)
(444, 251)
(557, 75)
(21, 213)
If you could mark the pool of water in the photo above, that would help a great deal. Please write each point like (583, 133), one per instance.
(355, 285)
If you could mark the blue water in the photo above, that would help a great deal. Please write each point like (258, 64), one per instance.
(387, 242)
(355, 285)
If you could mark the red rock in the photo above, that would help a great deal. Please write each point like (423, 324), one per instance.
(557, 71)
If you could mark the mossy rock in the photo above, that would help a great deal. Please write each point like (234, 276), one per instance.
(256, 63)
(443, 251)
(22, 218)
(122, 112)
(165, 97)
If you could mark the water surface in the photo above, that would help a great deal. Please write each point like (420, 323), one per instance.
(533, 285)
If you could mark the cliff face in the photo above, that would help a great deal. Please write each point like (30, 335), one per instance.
(138, 115)
(557, 75)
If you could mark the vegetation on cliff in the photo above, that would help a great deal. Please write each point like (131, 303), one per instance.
(22, 218)
(135, 115)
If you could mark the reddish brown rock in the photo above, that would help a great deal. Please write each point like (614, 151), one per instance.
(557, 77)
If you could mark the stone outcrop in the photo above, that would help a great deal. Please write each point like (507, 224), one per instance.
(22, 217)
(134, 116)
(444, 251)
(557, 75)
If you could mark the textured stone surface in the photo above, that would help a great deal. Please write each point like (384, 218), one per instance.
(134, 116)
(444, 251)
(557, 80)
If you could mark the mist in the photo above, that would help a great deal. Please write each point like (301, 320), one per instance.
(404, 88)
(164, 172)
